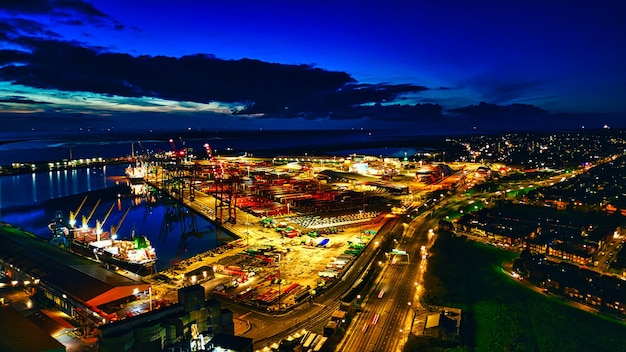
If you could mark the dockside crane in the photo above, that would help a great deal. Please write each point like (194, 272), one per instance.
(217, 170)
(115, 228)
(73, 215)
(87, 218)
(226, 187)
(178, 171)
(177, 153)
(100, 224)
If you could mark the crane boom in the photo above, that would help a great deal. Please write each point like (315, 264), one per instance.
(75, 213)
(178, 154)
(87, 218)
(108, 213)
(81, 205)
(216, 166)
(173, 145)
(99, 223)
(117, 227)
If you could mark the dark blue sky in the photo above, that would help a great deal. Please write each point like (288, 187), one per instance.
(327, 64)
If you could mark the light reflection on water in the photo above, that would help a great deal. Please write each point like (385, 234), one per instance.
(30, 201)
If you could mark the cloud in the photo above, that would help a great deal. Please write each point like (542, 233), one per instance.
(260, 87)
(15, 26)
(21, 100)
(493, 117)
(415, 114)
(15, 57)
(526, 117)
(37, 57)
(33, 56)
(504, 85)
(19, 17)
(54, 8)
(485, 111)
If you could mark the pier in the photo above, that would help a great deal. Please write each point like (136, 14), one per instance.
(65, 164)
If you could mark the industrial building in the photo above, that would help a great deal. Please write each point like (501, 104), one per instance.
(58, 278)
(19, 334)
(193, 324)
(80, 288)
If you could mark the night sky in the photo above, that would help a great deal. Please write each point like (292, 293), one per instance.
(227, 65)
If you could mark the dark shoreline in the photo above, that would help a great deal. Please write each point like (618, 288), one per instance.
(107, 147)
(44, 166)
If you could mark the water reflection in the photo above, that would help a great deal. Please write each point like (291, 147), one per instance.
(54, 184)
(34, 182)
(176, 232)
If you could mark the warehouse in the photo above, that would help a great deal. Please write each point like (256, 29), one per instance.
(57, 277)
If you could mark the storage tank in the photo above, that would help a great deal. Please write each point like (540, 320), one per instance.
(150, 337)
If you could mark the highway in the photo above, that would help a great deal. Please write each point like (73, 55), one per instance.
(393, 303)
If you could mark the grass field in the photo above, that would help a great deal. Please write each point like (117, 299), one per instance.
(503, 315)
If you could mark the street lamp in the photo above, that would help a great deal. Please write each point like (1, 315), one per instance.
(248, 229)
(414, 309)
(279, 281)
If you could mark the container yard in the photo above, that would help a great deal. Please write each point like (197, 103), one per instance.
(299, 222)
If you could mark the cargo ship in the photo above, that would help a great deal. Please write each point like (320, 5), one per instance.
(134, 254)
(136, 173)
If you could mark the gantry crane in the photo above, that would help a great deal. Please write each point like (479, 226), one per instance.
(182, 174)
(178, 154)
(225, 190)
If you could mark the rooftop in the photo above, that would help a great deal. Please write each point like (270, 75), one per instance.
(78, 277)
(19, 334)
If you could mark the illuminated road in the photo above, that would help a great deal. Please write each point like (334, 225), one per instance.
(390, 306)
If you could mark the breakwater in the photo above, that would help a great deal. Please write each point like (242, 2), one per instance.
(65, 164)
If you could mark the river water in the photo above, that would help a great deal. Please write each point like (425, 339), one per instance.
(30, 201)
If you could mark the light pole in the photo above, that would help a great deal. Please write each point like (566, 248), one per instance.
(248, 229)
(357, 303)
(279, 281)
(414, 309)
(361, 225)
